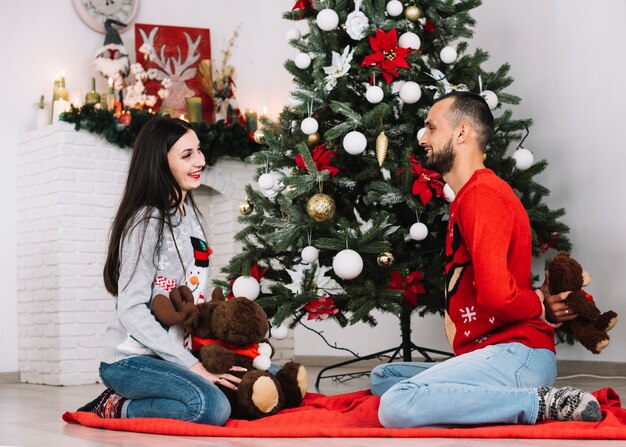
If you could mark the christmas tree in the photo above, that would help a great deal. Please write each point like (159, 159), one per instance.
(345, 219)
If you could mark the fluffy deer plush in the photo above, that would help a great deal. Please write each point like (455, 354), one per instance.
(591, 326)
(227, 333)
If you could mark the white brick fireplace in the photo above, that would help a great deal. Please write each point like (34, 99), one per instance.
(68, 188)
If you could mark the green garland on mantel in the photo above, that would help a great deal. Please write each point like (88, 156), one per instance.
(216, 139)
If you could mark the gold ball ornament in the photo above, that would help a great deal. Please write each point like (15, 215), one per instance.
(385, 259)
(259, 136)
(313, 139)
(412, 13)
(321, 207)
(382, 145)
(245, 207)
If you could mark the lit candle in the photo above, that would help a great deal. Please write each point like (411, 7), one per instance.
(76, 97)
(194, 109)
(251, 120)
(111, 96)
(182, 117)
(263, 118)
(58, 92)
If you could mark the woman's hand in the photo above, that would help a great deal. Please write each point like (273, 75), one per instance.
(225, 379)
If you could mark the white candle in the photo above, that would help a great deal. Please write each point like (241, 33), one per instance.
(59, 106)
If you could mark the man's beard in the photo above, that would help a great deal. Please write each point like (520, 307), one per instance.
(443, 161)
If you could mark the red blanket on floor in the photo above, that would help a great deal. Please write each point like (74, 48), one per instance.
(354, 415)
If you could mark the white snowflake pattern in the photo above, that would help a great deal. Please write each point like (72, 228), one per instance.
(468, 314)
(492, 320)
(467, 333)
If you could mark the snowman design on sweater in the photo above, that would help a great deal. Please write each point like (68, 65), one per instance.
(196, 278)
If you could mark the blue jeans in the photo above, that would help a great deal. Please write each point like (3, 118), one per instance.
(160, 389)
(495, 384)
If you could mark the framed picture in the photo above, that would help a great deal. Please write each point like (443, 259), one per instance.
(175, 53)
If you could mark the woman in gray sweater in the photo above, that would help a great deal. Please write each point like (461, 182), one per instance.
(157, 243)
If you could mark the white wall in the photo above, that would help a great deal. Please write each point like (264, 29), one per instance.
(566, 62)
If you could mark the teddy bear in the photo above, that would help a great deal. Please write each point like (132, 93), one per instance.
(591, 326)
(227, 333)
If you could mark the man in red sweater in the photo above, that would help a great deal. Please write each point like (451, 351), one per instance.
(505, 362)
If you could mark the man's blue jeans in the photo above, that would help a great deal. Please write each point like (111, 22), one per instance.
(495, 384)
(160, 389)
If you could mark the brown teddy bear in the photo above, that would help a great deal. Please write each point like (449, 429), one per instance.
(227, 333)
(591, 326)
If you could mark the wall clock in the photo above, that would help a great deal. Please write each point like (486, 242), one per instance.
(95, 12)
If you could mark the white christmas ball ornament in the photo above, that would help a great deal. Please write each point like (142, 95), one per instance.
(420, 133)
(279, 332)
(394, 8)
(410, 92)
(302, 60)
(262, 362)
(310, 254)
(293, 34)
(409, 40)
(523, 159)
(266, 181)
(418, 231)
(309, 125)
(490, 98)
(327, 19)
(374, 94)
(354, 142)
(448, 193)
(247, 287)
(278, 181)
(347, 264)
(269, 193)
(448, 55)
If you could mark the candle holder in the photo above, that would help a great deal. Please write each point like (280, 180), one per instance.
(194, 109)
(58, 92)
(92, 96)
(42, 116)
(251, 120)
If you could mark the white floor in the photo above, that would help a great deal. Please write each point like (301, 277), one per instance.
(30, 415)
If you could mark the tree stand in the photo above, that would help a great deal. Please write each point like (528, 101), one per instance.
(406, 347)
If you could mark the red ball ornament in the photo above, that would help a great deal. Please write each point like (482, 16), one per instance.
(125, 119)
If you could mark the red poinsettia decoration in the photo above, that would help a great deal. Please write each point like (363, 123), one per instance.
(429, 26)
(387, 55)
(321, 308)
(410, 284)
(427, 182)
(321, 157)
(256, 272)
(302, 4)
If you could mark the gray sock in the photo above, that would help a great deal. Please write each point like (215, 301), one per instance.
(567, 404)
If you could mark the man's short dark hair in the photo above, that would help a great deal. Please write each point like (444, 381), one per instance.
(474, 108)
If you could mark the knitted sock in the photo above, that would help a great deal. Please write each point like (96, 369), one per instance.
(567, 404)
(106, 405)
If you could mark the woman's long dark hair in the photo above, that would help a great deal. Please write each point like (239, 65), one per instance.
(150, 186)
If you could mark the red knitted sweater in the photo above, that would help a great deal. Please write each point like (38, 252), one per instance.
(488, 268)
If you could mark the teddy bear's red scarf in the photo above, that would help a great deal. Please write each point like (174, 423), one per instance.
(251, 350)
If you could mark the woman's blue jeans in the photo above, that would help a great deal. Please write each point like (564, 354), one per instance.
(160, 389)
(495, 384)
